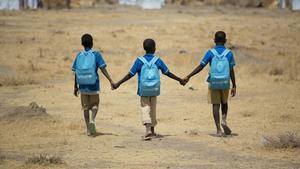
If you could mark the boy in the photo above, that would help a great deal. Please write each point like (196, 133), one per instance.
(148, 84)
(86, 67)
(221, 62)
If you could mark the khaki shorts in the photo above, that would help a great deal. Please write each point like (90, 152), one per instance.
(148, 110)
(216, 96)
(89, 101)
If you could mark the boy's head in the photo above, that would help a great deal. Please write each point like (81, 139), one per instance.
(87, 41)
(149, 46)
(220, 38)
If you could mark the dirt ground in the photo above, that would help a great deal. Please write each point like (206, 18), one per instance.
(37, 50)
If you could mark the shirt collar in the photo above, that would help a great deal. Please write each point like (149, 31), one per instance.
(220, 46)
(87, 49)
(148, 54)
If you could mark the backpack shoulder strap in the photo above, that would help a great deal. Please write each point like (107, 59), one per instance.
(215, 53)
(225, 52)
(141, 58)
(153, 60)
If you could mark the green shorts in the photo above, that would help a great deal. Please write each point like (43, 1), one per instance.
(217, 96)
(89, 101)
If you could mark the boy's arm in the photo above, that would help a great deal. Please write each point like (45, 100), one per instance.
(172, 76)
(75, 86)
(124, 79)
(104, 71)
(232, 76)
(194, 72)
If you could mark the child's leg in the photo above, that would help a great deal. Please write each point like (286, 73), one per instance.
(227, 130)
(94, 104)
(224, 113)
(153, 101)
(145, 111)
(216, 113)
(86, 117)
(85, 106)
(94, 114)
(224, 108)
(214, 97)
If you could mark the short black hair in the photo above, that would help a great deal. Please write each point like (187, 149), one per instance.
(220, 37)
(87, 40)
(149, 46)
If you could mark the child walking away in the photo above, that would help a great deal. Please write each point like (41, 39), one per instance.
(86, 67)
(147, 67)
(221, 62)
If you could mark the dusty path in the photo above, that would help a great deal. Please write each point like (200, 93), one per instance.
(185, 142)
(38, 47)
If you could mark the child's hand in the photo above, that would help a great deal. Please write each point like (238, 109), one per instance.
(112, 85)
(186, 80)
(233, 91)
(115, 86)
(76, 91)
(182, 82)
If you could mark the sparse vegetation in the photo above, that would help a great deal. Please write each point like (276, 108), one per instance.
(193, 132)
(16, 81)
(247, 114)
(282, 141)
(44, 159)
(275, 71)
(2, 158)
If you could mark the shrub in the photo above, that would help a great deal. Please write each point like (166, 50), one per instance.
(44, 159)
(282, 141)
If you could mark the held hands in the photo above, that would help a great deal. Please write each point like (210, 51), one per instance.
(114, 86)
(184, 81)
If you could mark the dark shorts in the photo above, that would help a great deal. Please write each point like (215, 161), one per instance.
(216, 96)
(89, 101)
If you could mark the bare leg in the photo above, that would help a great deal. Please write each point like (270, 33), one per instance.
(224, 113)
(227, 130)
(94, 114)
(87, 121)
(153, 131)
(148, 128)
(148, 131)
(92, 123)
(216, 114)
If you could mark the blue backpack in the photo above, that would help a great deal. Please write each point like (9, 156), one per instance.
(149, 78)
(86, 68)
(219, 70)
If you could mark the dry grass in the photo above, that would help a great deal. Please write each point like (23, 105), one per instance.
(44, 159)
(247, 114)
(282, 141)
(16, 81)
(2, 158)
(275, 71)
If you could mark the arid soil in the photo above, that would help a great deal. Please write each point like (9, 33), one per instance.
(37, 51)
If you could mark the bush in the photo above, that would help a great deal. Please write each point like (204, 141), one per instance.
(16, 81)
(44, 159)
(282, 141)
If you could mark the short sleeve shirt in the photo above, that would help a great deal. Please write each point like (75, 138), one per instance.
(209, 55)
(138, 64)
(100, 63)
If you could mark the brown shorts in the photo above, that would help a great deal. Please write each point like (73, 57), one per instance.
(89, 101)
(216, 96)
